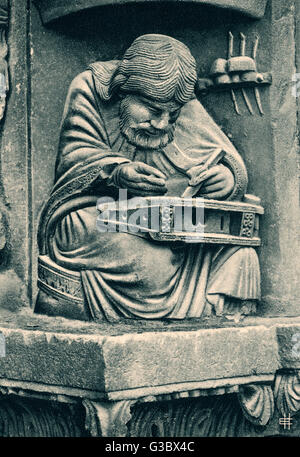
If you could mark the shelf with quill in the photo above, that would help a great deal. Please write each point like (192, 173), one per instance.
(236, 73)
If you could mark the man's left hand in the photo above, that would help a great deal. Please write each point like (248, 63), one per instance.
(218, 181)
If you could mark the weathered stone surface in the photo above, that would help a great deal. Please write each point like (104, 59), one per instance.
(12, 291)
(126, 364)
(55, 9)
(51, 358)
(15, 173)
(153, 359)
(297, 62)
(289, 345)
(281, 285)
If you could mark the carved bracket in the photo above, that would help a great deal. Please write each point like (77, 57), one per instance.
(258, 401)
(108, 419)
(287, 392)
(245, 414)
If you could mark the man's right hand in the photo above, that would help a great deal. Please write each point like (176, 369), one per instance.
(141, 179)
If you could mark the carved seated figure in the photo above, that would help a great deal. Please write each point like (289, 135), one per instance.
(136, 124)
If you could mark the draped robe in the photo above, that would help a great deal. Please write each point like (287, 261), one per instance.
(124, 275)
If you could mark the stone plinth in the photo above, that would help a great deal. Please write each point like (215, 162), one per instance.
(119, 362)
(128, 377)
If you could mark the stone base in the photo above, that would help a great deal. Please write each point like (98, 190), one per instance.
(150, 378)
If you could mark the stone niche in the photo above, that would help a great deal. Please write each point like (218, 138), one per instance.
(123, 379)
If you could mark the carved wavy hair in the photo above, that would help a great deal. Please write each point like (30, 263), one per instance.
(157, 67)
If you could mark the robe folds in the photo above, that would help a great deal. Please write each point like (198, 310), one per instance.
(124, 275)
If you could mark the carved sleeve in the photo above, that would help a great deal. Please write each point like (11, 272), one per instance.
(84, 140)
(84, 156)
(196, 136)
(236, 164)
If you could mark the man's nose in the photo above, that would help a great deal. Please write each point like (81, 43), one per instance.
(161, 122)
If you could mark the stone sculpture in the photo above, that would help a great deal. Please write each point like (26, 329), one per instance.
(136, 124)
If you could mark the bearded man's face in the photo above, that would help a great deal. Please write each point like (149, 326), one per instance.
(148, 124)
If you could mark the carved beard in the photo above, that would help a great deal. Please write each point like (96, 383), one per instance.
(138, 137)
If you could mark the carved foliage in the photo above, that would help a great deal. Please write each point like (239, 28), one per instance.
(20, 417)
(107, 418)
(246, 413)
(210, 417)
(257, 402)
(287, 392)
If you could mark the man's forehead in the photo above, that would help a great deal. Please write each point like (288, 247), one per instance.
(169, 106)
